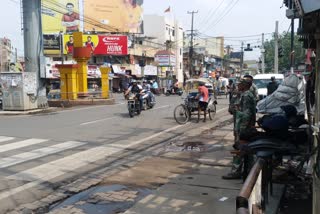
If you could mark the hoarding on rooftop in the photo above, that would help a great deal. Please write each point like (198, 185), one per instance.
(60, 15)
(114, 15)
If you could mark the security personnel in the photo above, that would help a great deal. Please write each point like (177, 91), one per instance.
(253, 88)
(245, 117)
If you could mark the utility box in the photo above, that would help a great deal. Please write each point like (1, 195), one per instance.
(19, 91)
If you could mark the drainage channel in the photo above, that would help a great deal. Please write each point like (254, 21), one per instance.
(101, 199)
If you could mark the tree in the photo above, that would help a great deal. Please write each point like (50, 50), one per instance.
(285, 45)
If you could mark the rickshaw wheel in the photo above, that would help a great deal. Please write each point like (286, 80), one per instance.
(212, 111)
(181, 114)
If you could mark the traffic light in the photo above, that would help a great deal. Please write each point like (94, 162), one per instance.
(248, 48)
(280, 52)
(142, 63)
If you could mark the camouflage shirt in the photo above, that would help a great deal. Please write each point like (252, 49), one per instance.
(254, 91)
(246, 115)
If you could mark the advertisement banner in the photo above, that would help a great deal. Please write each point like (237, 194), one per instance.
(51, 44)
(114, 15)
(112, 45)
(100, 45)
(52, 72)
(165, 60)
(60, 15)
(91, 41)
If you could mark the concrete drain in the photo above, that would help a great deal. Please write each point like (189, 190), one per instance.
(192, 146)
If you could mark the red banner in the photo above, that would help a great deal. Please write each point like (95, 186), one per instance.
(112, 45)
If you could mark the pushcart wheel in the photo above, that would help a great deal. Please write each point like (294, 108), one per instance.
(212, 111)
(181, 114)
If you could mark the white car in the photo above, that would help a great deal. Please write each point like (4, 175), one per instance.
(262, 80)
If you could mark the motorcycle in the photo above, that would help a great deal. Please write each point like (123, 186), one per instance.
(148, 102)
(133, 104)
(174, 91)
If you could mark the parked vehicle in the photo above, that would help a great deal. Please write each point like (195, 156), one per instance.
(133, 105)
(262, 80)
(173, 91)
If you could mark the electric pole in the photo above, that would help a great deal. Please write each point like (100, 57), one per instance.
(191, 43)
(241, 59)
(262, 55)
(33, 50)
(276, 52)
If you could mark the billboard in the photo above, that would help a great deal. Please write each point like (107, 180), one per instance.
(51, 44)
(99, 44)
(114, 15)
(165, 60)
(60, 15)
(112, 45)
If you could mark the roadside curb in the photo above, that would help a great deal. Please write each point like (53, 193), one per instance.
(30, 112)
(96, 177)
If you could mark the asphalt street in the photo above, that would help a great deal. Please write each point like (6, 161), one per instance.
(39, 152)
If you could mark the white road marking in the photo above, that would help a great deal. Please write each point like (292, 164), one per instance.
(4, 138)
(64, 165)
(220, 110)
(96, 121)
(21, 144)
(161, 107)
(93, 107)
(27, 156)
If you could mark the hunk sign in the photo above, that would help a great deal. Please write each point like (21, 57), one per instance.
(112, 45)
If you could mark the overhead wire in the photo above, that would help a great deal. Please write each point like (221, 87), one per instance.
(211, 14)
(208, 26)
(222, 17)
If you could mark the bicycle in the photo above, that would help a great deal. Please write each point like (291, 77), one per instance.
(183, 112)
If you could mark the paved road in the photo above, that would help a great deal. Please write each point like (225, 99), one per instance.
(38, 152)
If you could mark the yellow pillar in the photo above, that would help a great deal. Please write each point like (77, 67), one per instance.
(81, 55)
(82, 76)
(68, 82)
(105, 81)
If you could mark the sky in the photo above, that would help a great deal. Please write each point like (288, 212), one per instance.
(230, 18)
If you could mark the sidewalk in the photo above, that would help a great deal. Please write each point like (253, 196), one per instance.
(201, 189)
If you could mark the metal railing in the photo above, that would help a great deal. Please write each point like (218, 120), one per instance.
(252, 196)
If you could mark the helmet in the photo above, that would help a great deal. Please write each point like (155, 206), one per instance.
(134, 81)
(144, 81)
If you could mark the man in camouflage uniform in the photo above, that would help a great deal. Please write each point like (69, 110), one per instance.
(245, 117)
(253, 88)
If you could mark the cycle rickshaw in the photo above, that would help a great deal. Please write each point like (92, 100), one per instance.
(189, 107)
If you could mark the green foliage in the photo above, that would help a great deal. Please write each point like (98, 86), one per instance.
(285, 43)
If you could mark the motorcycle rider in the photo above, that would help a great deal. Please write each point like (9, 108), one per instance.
(136, 89)
(147, 88)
